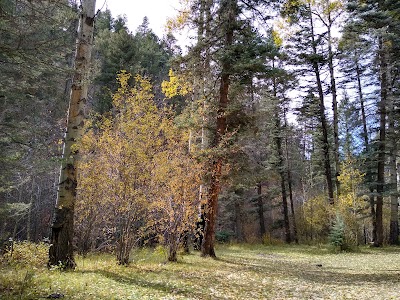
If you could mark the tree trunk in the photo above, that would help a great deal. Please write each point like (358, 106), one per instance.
(369, 176)
(238, 222)
(394, 206)
(185, 242)
(200, 224)
(324, 126)
(289, 179)
(207, 248)
(203, 33)
(29, 217)
(334, 106)
(281, 166)
(61, 250)
(260, 211)
(125, 241)
(172, 246)
(172, 253)
(381, 146)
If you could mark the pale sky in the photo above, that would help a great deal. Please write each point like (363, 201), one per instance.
(157, 12)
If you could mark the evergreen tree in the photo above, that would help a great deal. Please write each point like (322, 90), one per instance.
(380, 18)
(358, 65)
(308, 50)
(117, 49)
(37, 40)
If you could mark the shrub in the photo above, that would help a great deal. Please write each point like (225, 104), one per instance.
(28, 253)
(271, 241)
(223, 236)
(337, 234)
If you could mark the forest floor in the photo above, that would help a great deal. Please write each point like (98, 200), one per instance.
(240, 272)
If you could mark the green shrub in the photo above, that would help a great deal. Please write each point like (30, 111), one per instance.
(337, 234)
(223, 236)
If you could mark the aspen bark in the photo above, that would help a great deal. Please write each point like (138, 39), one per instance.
(61, 249)
(203, 36)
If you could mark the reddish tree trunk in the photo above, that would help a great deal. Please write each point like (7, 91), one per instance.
(207, 248)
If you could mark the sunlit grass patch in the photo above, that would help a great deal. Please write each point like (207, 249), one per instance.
(239, 272)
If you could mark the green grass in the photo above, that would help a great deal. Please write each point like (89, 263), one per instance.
(240, 272)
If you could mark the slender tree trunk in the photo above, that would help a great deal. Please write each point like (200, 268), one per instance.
(207, 248)
(362, 105)
(369, 176)
(334, 106)
(289, 178)
(381, 146)
(185, 242)
(203, 35)
(324, 126)
(238, 222)
(394, 204)
(281, 166)
(260, 210)
(172, 253)
(29, 219)
(61, 250)
(285, 210)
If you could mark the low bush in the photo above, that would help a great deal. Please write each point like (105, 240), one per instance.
(223, 236)
(28, 253)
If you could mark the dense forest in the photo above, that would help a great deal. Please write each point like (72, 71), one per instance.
(277, 124)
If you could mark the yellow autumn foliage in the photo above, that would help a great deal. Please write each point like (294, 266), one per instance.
(137, 178)
(181, 19)
(176, 86)
(277, 38)
(318, 214)
(350, 205)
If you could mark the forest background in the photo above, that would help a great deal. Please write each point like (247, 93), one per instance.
(270, 127)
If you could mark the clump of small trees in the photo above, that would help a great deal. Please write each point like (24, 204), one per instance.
(346, 222)
(138, 181)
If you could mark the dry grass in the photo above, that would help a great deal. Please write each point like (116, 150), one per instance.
(240, 272)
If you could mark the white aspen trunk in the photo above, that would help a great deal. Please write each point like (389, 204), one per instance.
(61, 250)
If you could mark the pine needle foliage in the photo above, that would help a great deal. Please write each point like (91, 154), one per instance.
(337, 234)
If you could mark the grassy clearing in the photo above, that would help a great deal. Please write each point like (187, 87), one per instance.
(240, 272)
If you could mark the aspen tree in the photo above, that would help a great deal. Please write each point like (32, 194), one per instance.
(61, 249)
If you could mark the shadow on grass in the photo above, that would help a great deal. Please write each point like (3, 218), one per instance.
(141, 282)
(312, 272)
